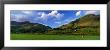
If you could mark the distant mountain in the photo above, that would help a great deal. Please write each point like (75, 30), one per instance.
(19, 23)
(27, 27)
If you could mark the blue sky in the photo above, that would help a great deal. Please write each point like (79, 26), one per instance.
(52, 18)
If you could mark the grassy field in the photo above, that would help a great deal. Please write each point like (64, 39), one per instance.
(52, 37)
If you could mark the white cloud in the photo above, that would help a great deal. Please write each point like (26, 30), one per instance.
(44, 16)
(13, 17)
(58, 22)
(27, 15)
(78, 13)
(22, 15)
(40, 13)
(27, 12)
(96, 12)
(53, 13)
(56, 14)
(19, 17)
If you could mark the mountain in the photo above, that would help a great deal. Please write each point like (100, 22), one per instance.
(26, 26)
(85, 21)
(14, 23)
(88, 24)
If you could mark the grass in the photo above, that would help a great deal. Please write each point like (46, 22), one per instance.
(53, 37)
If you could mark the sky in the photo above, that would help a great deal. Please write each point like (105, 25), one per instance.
(52, 18)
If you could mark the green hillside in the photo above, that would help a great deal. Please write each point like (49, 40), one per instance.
(84, 28)
(27, 27)
(88, 24)
(87, 20)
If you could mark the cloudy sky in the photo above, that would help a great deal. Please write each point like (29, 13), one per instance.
(52, 18)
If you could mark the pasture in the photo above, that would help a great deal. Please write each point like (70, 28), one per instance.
(53, 37)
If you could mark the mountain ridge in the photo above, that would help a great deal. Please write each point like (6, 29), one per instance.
(86, 23)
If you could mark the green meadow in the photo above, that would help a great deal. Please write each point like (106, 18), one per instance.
(53, 37)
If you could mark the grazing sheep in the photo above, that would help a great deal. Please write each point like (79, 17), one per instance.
(75, 30)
